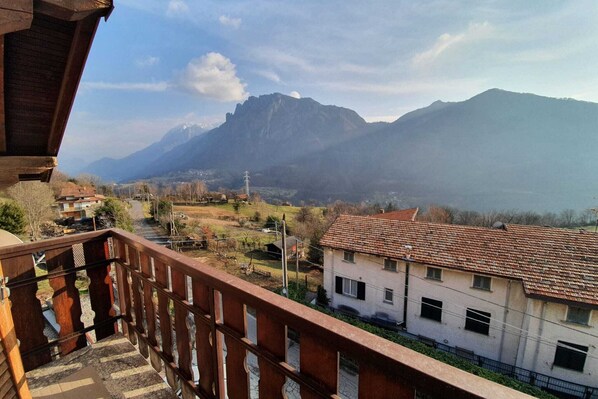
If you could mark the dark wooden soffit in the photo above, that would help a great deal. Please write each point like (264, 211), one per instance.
(43, 49)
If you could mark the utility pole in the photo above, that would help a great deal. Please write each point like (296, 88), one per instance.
(246, 178)
(296, 262)
(285, 283)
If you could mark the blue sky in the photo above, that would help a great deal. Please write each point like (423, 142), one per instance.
(156, 64)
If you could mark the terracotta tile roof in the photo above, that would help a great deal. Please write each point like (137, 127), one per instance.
(73, 190)
(403, 214)
(555, 263)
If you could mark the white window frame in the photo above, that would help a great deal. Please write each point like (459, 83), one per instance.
(349, 254)
(482, 278)
(429, 275)
(586, 323)
(349, 286)
(390, 269)
(388, 291)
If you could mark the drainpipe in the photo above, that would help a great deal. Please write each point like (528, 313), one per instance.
(504, 322)
(540, 331)
(406, 295)
(523, 337)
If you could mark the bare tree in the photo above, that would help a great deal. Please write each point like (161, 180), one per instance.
(87, 179)
(36, 199)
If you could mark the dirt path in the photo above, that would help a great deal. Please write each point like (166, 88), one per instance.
(143, 228)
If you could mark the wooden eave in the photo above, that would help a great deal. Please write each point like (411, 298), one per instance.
(43, 49)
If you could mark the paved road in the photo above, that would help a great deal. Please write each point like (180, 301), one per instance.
(147, 230)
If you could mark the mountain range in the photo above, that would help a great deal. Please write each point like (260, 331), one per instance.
(496, 150)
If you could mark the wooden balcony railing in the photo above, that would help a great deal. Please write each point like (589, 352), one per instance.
(193, 322)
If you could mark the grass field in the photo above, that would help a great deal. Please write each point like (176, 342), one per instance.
(223, 220)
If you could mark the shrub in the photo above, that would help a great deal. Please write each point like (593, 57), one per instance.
(12, 218)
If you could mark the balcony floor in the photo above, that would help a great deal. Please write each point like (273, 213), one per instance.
(110, 368)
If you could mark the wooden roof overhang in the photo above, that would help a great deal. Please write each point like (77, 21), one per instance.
(43, 48)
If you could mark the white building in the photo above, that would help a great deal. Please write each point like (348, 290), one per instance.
(522, 295)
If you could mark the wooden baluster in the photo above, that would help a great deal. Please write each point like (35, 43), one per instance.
(272, 336)
(179, 288)
(10, 356)
(66, 301)
(237, 378)
(203, 344)
(101, 294)
(27, 311)
(124, 291)
(137, 301)
(319, 361)
(150, 312)
(375, 382)
(164, 317)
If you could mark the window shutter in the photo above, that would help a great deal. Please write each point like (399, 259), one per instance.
(361, 290)
(339, 285)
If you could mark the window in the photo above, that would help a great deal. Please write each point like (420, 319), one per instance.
(477, 321)
(434, 273)
(578, 315)
(570, 356)
(481, 282)
(390, 264)
(431, 309)
(348, 287)
(388, 295)
(349, 256)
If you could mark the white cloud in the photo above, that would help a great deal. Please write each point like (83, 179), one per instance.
(295, 94)
(229, 21)
(270, 75)
(130, 86)
(446, 41)
(280, 59)
(147, 61)
(176, 7)
(212, 76)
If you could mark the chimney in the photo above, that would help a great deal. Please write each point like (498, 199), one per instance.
(381, 210)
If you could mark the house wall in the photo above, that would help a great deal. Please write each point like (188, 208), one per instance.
(539, 356)
(515, 319)
(368, 269)
(456, 292)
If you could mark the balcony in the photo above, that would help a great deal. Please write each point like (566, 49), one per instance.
(209, 334)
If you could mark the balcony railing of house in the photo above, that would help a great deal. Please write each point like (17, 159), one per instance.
(176, 309)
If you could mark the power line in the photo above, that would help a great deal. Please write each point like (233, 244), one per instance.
(529, 335)
(488, 301)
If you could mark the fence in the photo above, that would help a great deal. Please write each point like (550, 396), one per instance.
(556, 386)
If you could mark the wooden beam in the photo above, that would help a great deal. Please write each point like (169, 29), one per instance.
(16, 15)
(82, 39)
(73, 10)
(12, 167)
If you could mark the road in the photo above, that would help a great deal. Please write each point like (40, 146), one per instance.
(143, 228)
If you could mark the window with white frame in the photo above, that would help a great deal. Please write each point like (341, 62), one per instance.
(349, 256)
(578, 315)
(433, 273)
(388, 295)
(482, 282)
(390, 264)
(349, 287)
